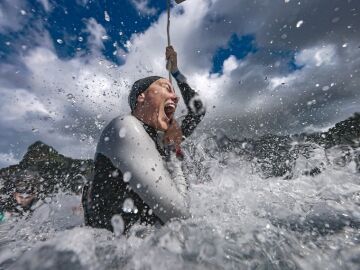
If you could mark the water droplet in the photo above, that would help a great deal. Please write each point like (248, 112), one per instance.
(299, 23)
(344, 45)
(34, 130)
(66, 126)
(59, 41)
(196, 105)
(122, 132)
(105, 37)
(127, 177)
(80, 39)
(284, 36)
(207, 250)
(121, 33)
(311, 102)
(335, 20)
(118, 225)
(128, 205)
(106, 16)
(23, 12)
(138, 186)
(115, 173)
(71, 98)
(325, 88)
(106, 139)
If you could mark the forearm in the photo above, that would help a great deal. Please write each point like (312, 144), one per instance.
(173, 164)
(186, 91)
(196, 108)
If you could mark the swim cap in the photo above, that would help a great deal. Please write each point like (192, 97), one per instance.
(138, 87)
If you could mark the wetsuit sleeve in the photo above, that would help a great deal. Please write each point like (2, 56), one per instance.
(174, 167)
(135, 152)
(195, 107)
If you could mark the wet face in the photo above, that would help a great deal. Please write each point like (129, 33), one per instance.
(158, 104)
(23, 199)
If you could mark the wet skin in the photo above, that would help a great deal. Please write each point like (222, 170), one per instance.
(23, 199)
(156, 106)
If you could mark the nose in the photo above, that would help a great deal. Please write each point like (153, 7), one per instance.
(174, 97)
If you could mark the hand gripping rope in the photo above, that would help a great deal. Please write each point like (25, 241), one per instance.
(168, 64)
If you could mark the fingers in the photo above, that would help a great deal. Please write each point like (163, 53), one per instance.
(170, 48)
(170, 52)
(171, 57)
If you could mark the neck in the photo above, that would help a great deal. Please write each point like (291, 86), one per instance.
(142, 116)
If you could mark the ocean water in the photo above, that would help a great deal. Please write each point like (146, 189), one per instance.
(242, 218)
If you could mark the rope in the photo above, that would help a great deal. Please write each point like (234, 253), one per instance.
(168, 35)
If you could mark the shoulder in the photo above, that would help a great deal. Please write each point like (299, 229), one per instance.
(125, 121)
(121, 132)
(123, 125)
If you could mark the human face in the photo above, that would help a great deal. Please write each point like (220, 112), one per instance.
(159, 103)
(23, 199)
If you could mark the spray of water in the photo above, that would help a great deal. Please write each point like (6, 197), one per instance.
(307, 217)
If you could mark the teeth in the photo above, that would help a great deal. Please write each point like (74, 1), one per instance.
(170, 106)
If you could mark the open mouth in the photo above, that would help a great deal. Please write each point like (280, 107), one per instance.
(169, 110)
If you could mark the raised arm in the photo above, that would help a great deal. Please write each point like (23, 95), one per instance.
(195, 107)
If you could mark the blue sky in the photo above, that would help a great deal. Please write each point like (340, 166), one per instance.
(66, 23)
(68, 20)
(237, 46)
(270, 66)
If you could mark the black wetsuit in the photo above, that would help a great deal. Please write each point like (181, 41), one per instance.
(103, 197)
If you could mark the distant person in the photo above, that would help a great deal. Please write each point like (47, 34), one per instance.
(137, 174)
(20, 194)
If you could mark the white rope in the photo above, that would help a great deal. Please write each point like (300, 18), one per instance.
(168, 36)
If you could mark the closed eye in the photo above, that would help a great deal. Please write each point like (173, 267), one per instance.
(168, 87)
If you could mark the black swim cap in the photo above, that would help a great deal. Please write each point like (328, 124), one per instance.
(138, 87)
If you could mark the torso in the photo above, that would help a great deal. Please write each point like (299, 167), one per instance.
(106, 194)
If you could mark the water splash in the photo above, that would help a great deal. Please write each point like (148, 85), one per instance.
(291, 205)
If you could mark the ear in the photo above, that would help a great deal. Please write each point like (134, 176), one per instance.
(141, 98)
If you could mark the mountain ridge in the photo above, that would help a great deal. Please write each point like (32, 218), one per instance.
(272, 151)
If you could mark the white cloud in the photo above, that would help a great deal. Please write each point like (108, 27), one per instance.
(82, 2)
(26, 103)
(230, 64)
(317, 56)
(142, 6)
(97, 34)
(66, 105)
(7, 159)
(13, 15)
(87, 82)
(45, 4)
(253, 95)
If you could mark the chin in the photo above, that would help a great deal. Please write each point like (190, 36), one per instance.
(163, 122)
(163, 125)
